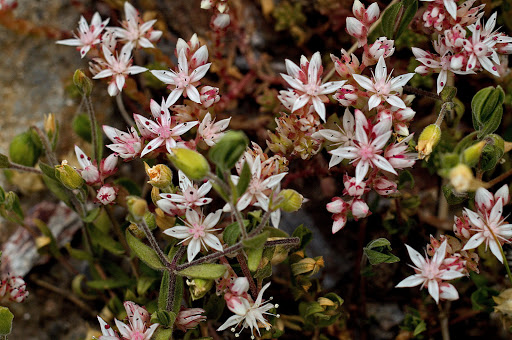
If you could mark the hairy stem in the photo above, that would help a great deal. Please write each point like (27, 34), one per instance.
(94, 131)
(172, 278)
(20, 167)
(154, 244)
(247, 273)
(500, 178)
(421, 92)
(52, 158)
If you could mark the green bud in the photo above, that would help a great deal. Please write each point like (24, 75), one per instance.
(492, 152)
(471, 155)
(199, 287)
(192, 163)
(163, 317)
(4, 161)
(291, 200)
(160, 175)
(25, 149)
(150, 220)
(68, 176)
(487, 109)
(137, 207)
(229, 149)
(82, 82)
(6, 318)
(429, 138)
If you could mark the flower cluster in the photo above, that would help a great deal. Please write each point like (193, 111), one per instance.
(14, 288)
(461, 54)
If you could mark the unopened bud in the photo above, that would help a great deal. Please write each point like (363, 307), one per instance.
(308, 265)
(136, 206)
(471, 155)
(68, 176)
(164, 221)
(82, 82)
(25, 149)
(199, 287)
(229, 149)
(50, 125)
(292, 200)
(429, 138)
(137, 231)
(155, 195)
(192, 163)
(461, 178)
(160, 175)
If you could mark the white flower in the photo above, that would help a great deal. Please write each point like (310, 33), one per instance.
(107, 331)
(211, 132)
(106, 195)
(249, 314)
(126, 144)
(88, 36)
(450, 5)
(482, 46)
(191, 196)
(198, 231)
(185, 79)
(118, 67)
(383, 86)
(310, 88)
(342, 138)
(136, 32)
(89, 171)
(367, 147)
(430, 273)
(488, 220)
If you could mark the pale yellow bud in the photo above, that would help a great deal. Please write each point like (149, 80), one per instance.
(429, 138)
(50, 125)
(160, 175)
(462, 179)
(292, 200)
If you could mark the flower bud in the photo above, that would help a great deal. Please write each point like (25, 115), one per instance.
(359, 209)
(229, 149)
(82, 82)
(25, 149)
(471, 155)
(136, 206)
(308, 265)
(504, 302)
(429, 138)
(137, 231)
(461, 178)
(50, 125)
(189, 318)
(107, 194)
(68, 176)
(160, 175)
(221, 21)
(192, 163)
(292, 200)
(164, 221)
(199, 287)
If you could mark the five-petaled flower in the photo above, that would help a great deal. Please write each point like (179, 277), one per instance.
(88, 36)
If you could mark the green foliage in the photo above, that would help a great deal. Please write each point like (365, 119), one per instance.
(379, 251)
(229, 149)
(144, 252)
(25, 149)
(204, 271)
(487, 109)
(414, 323)
(6, 318)
(397, 18)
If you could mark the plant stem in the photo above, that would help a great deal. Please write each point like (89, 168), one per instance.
(172, 278)
(46, 145)
(234, 209)
(443, 321)
(421, 92)
(154, 244)
(262, 224)
(247, 273)
(122, 109)
(20, 167)
(498, 179)
(354, 47)
(94, 126)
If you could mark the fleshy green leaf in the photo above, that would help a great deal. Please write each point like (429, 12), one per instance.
(204, 271)
(164, 291)
(254, 258)
(6, 318)
(105, 241)
(109, 284)
(144, 252)
(257, 241)
(244, 180)
(390, 19)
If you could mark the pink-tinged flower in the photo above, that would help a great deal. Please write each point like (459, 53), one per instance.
(108, 166)
(397, 154)
(347, 95)
(353, 189)
(14, 287)
(357, 29)
(431, 273)
(339, 208)
(209, 95)
(259, 187)
(6, 5)
(450, 5)
(136, 328)
(186, 78)
(461, 227)
(366, 16)
(306, 81)
(482, 48)
(250, 314)
(107, 194)
(189, 318)
(133, 311)
(107, 331)
(488, 222)
(197, 231)
(368, 147)
(190, 48)
(135, 32)
(347, 65)
(210, 131)
(119, 67)
(342, 138)
(383, 186)
(359, 209)
(89, 171)
(383, 47)
(191, 196)
(383, 87)
(126, 144)
(88, 36)
(162, 128)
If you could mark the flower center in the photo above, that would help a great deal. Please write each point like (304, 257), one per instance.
(366, 152)
(197, 231)
(182, 81)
